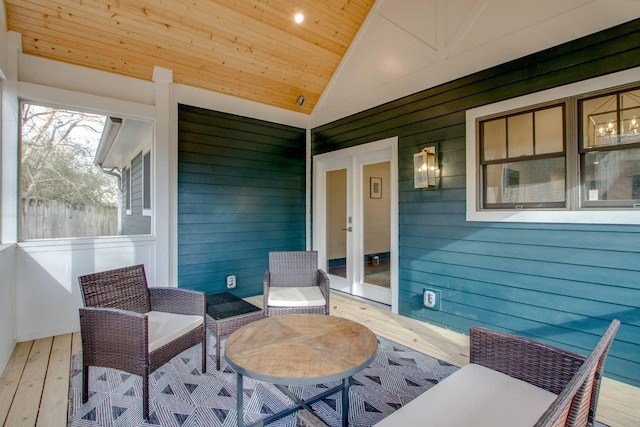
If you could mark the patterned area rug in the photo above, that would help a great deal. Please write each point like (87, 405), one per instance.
(182, 396)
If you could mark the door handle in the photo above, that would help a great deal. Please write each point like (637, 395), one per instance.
(347, 229)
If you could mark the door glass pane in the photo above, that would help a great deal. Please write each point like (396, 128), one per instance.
(337, 222)
(377, 223)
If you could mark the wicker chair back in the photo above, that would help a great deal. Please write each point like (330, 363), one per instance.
(294, 268)
(123, 288)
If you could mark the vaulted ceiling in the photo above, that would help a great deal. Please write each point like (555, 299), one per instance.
(347, 55)
(250, 49)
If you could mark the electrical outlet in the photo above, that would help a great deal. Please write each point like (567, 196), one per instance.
(431, 298)
(231, 282)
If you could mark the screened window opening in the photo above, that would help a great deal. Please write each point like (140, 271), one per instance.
(76, 174)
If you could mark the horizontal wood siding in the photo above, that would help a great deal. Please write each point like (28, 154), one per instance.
(241, 194)
(561, 283)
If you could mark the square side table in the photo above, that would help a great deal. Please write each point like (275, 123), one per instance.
(226, 313)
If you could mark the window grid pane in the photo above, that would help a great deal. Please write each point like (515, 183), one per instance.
(127, 189)
(520, 135)
(533, 182)
(630, 117)
(549, 129)
(494, 139)
(146, 181)
(611, 178)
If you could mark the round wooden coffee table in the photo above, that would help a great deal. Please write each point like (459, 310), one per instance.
(300, 349)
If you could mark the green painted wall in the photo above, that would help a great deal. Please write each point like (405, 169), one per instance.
(241, 194)
(560, 283)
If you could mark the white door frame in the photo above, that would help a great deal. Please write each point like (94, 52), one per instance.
(319, 206)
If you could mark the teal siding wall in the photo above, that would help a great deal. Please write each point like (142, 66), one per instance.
(560, 283)
(241, 194)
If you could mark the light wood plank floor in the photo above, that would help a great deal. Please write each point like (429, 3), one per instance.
(34, 385)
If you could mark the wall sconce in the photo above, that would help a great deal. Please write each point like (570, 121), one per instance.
(425, 168)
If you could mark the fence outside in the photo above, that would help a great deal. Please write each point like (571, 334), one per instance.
(49, 219)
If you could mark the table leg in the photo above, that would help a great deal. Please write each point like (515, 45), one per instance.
(346, 383)
(240, 395)
(217, 350)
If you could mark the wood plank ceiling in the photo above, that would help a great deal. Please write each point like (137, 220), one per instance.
(250, 49)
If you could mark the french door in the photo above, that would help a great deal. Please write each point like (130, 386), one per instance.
(356, 219)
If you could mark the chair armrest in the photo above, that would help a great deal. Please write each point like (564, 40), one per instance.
(112, 337)
(323, 283)
(266, 280)
(540, 364)
(178, 301)
(266, 283)
(579, 400)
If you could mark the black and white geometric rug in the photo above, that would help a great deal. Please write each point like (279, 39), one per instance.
(182, 396)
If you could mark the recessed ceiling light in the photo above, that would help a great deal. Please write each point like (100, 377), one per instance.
(299, 18)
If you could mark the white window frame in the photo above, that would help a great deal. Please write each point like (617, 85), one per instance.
(128, 199)
(147, 211)
(549, 215)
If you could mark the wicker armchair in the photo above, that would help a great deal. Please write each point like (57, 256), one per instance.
(574, 378)
(127, 326)
(514, 381)
(294, 284)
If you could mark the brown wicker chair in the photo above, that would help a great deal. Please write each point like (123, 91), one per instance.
(116, 331)
(574, 378)
(292, 283)
(562, 387)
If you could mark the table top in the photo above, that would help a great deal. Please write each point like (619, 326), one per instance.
(301, 349)
(224, 305)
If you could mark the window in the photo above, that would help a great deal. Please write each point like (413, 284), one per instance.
(146, 184)
(81, 174)
(610, 149)
(126, 189)
(523, 159)
(568, 154)
(62, 192)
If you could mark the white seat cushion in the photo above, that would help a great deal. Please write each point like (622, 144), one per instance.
(166, 327)
(474, 396)
(305, 296)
